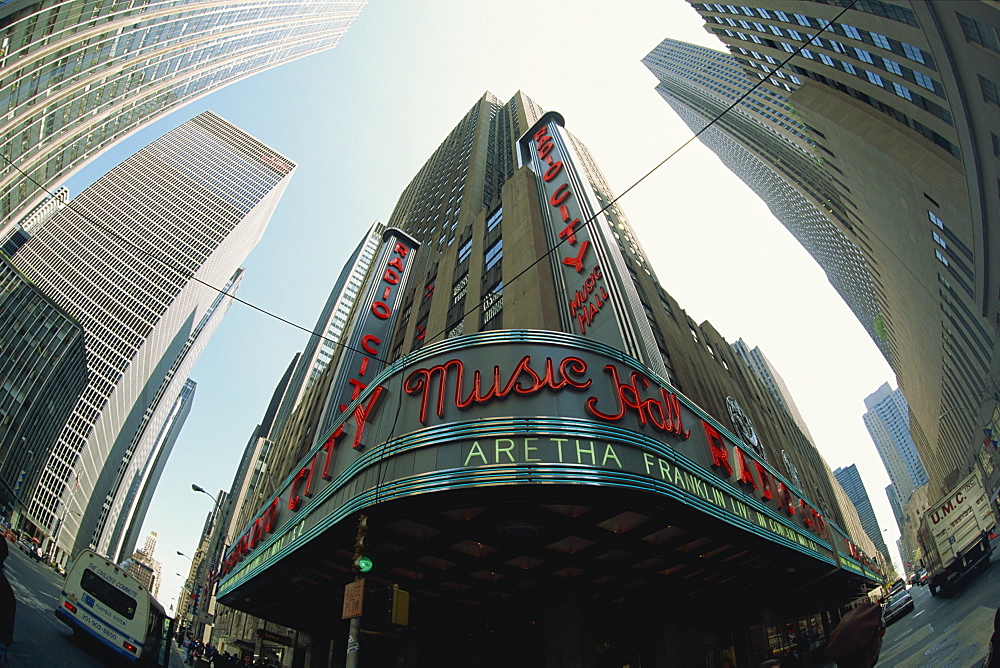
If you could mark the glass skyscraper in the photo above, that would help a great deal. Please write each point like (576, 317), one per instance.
(850, 480)
(888, 421)
(42, 373)
(76, 77)
(880, 121)
(138, 258)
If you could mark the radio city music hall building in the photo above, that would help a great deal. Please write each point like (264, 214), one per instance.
(558, 465)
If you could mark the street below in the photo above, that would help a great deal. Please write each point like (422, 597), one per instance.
(39, 638)
(953, 632)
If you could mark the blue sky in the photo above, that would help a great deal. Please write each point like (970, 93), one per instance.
(361, 119)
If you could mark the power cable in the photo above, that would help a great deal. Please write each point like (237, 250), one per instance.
(186, 273)
(649, 173)
(190, 275)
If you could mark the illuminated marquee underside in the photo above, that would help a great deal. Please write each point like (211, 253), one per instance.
(534, 408)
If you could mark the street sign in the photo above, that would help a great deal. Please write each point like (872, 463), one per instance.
(354, 599)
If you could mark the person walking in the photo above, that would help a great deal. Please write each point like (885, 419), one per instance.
(8, 606)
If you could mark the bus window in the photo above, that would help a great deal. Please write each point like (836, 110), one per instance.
(108, 594)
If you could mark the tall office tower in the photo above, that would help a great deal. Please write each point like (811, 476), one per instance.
(760, 365)
(43, 368)
(322, 344)
(896, 99)
(136, 479)
(897, 507)
(542, 440)
(851, 481)
(888, 422)
(76, 77)
(764, 143)
(146, 471)
(138, 258)
(144, 566)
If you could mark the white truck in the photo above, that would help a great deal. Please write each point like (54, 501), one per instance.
(955, 536)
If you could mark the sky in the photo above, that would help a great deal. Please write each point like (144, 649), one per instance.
(361, 119)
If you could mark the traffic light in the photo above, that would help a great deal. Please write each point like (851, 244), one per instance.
(194, 599)
(363, 562)
(389, 606)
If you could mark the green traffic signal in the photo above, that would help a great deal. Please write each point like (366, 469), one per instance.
(364, 564)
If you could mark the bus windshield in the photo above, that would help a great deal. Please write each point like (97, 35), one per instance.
(108, 594)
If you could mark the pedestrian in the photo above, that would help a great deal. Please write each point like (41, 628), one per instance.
(857, 640)
(993, 654)
(8, 606)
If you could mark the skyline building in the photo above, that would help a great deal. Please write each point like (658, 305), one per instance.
(78, 77)
(333, 318)
(760, 365)
(43, 371)
(897, 95)
(897, 508)
(850, 480)
(541, 440)
(145, 567)
(887, 420)
(133, 258)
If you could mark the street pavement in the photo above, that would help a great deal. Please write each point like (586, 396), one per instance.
(940, 632)
(953, 632)
(40, 639)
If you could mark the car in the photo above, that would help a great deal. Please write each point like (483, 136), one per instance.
(924, 575)
(900, 603)
(29, 547)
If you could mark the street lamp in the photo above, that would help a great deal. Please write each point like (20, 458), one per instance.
(184, 555)
(196, 488)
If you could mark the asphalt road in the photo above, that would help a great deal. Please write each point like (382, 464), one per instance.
(953, 632)
(40, 639)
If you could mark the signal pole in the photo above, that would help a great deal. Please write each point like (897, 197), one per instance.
(354, 594)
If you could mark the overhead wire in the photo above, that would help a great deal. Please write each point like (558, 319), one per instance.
(191, 275)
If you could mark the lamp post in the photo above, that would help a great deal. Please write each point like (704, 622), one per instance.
(212, 543)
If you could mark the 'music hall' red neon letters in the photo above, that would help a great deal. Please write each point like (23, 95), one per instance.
(664, 414)
(523, 380)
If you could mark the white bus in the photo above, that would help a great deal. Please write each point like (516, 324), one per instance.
(101, 601)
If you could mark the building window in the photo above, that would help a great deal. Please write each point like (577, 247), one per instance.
(902, 91)
(941, 257)
(850, 31)
(923, 81)
(880, 40)
(934, 219)
(494, 220)
(493, 255)
(913, 53)
(465, 251)
(864, 55)
(892, 66)
(874, 78)
(990, 90)
(939, 240)
(979, 33)
(456, 330)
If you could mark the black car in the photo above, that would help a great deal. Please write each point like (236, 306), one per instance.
(900, 603)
